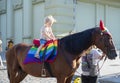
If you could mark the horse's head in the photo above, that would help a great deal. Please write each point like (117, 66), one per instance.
(103, 40)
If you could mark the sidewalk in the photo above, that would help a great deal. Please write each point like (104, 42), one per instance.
(114, 78)
(110, 72)
(110, 67)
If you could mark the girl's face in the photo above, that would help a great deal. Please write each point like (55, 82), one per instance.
(49, 24)
(10, 45)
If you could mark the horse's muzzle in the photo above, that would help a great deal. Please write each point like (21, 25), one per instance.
(112, 54)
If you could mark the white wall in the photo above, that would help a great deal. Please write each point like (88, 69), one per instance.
(27, 21)
(85, 16)
(3, 25)
(38, 19)
(18, 26)
(89, 14)
(113, 23)
(21, 20)
(24, 18)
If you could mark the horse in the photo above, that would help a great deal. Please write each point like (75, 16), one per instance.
(70, 49)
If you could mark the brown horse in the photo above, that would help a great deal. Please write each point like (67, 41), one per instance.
(70, 49)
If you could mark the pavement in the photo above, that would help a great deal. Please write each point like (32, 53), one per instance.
(110, 72)
(115, 78)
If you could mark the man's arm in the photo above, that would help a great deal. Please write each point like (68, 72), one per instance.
(103, 55)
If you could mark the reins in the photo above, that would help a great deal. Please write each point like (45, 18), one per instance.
(102, 64)
(98, 68)
(78, 72)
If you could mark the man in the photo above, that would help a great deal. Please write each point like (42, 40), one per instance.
(1, 61)
(90, 65)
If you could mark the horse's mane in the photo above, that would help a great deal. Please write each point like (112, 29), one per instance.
(77, 42)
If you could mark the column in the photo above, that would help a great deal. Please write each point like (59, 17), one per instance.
(3, 22)
(27, 21)
(10, 20)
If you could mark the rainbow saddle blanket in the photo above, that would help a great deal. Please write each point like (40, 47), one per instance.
(47, 53)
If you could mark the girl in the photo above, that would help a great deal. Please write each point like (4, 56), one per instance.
(46, 33)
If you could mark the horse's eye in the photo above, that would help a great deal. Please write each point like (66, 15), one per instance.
(101, 33)
(110, 40)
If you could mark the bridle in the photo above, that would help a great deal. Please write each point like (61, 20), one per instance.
(105, 45)
(102, 39)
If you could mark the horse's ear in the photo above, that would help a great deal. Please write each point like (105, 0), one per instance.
(102, 27)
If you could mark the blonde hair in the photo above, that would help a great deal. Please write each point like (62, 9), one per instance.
(49, 19)
(88, 50)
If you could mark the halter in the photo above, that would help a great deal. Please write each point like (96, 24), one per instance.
(106, 33)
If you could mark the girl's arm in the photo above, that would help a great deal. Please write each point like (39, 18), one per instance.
(51, 34)
(47, 35)
(53, 37)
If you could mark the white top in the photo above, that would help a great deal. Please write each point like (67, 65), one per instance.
(0, 42)
(46, 33)
(96, 54)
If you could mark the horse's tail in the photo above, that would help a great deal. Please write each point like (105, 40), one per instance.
(8, 74)
(11, 60)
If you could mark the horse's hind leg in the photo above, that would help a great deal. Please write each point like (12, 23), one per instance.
(15, 73)
(20, 75)
(11, 76)
(17, 76)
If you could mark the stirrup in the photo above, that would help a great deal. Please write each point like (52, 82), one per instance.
(43, 72)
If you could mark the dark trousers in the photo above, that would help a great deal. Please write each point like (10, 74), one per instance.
(89, 79)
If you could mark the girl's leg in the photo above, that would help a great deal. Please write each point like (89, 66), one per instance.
(38, 50)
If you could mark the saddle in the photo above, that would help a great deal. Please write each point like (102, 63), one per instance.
(36, 42)
(47, 53)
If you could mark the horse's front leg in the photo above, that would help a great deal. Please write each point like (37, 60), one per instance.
(68, 80)
(61, 80)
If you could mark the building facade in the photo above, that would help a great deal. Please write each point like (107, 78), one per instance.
(21, 20)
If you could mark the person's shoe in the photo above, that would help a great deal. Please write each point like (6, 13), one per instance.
(37, 56)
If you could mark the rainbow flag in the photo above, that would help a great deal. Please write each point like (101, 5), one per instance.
(47, 53)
